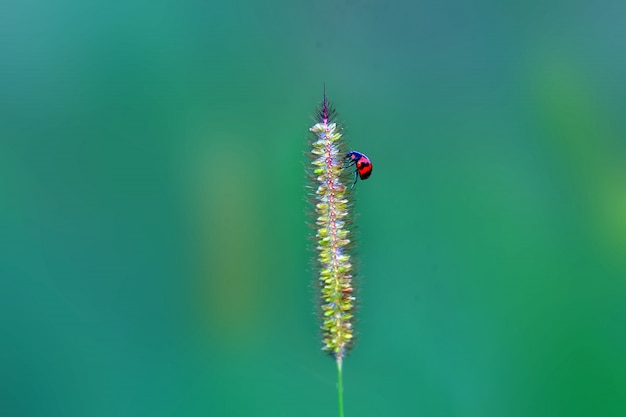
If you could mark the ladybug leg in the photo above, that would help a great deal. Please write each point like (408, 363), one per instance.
(356, 178)
(348, 163)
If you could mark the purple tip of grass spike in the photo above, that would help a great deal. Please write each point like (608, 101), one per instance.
(325, 107)
(325, 111)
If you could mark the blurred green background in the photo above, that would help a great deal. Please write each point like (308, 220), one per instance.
(153, 253)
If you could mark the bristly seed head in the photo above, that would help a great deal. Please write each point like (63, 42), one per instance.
(334, 240)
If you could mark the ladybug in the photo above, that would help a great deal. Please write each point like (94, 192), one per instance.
(362, 163)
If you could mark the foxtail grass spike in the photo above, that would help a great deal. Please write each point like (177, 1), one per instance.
(333, 210)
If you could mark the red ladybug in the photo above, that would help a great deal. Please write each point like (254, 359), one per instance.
(362, 163)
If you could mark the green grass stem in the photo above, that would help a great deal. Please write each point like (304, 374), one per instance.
(340, 385)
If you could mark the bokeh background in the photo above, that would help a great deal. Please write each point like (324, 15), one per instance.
(153, 253)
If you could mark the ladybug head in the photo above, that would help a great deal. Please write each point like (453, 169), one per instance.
(353, 155)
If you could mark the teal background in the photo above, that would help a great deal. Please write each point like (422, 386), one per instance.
(153, 253)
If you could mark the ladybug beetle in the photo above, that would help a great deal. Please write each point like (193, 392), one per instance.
(362, 163)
